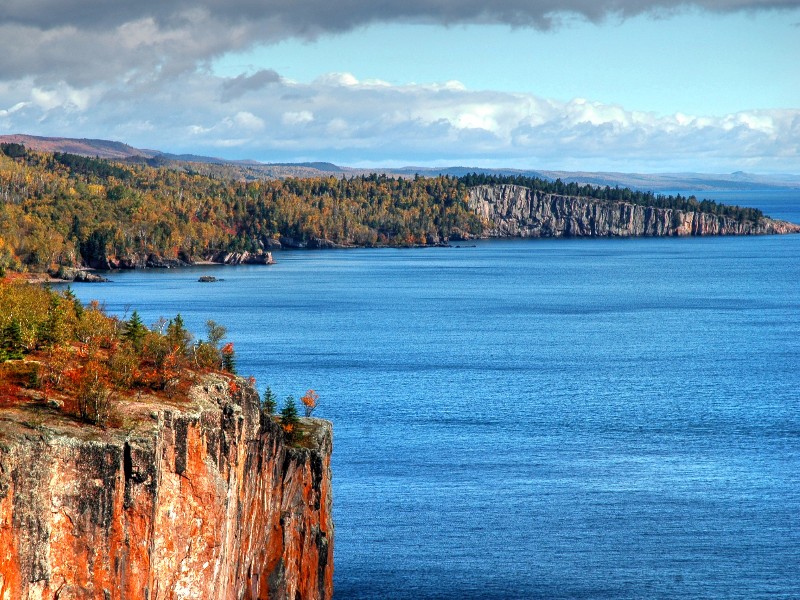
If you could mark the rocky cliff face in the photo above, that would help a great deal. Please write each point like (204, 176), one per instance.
(193, 500)
(515, 211)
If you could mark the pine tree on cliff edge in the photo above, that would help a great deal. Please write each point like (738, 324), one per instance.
(289, 418)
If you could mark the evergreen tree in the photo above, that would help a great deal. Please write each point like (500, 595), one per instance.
(13, 150)
(11, 343)
(70, 295)
(48, 331)
(269, 402)
(289, 419)
(228, 358)
(135, 331)
(177, 334)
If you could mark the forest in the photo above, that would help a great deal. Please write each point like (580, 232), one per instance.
(68, 210)
(61, 209)
(77, 359)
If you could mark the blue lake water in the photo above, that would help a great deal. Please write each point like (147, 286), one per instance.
(535, 419)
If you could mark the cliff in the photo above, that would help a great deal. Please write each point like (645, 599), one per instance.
(195, 499)
(515, 211)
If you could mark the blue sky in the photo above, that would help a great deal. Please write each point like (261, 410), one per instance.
(693, 63)
(613, 85)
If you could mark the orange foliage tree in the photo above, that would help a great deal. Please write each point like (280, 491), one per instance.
(310, 401)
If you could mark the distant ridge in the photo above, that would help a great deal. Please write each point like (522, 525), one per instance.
(83, 147)
(319, 166)
(252, 170)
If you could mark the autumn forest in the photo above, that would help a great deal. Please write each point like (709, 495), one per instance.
(61, 209)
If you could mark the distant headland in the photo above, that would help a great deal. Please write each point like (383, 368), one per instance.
(65, 211)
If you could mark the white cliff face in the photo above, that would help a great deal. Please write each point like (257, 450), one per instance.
(515, 211)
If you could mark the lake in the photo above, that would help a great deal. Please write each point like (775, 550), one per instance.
(535, 418)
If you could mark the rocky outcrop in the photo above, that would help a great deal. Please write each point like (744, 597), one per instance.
(270, 243)
(154, 261)
(77, 275)
(140, 261)
(317, 243)
(515, 211)
(291, 243)
(198, 499)
(243, 258)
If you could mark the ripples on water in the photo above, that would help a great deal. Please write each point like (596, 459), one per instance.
(535, 419)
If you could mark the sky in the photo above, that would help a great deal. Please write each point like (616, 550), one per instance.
(591, 85)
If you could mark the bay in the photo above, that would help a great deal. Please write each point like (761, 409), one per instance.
(534, 418)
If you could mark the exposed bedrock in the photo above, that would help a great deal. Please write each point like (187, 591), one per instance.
(515, 211)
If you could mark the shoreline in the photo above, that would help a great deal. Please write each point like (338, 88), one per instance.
(98, 275)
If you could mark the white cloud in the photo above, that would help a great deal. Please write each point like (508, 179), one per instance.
(297, 118)
(199, 130)
(337, 79)
(229, 142)
(337, 127)
(61, 96)
(758, 122)
(248, 120)
(340, 119)
(10, 111)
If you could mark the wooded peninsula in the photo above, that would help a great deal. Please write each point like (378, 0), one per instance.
(63, 210)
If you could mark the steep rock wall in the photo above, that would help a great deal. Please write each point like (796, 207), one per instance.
(198, 500)
(515, 211)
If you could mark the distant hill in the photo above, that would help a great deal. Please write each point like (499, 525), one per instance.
(670, 182)
(655, 182)
(82, 147)
(251, 170)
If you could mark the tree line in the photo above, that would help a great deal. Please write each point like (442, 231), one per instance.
(58, 209)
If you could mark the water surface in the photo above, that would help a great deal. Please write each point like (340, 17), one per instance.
(535, 419)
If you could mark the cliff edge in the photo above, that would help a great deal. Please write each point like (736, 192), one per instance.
(516, 211)
(197, 499)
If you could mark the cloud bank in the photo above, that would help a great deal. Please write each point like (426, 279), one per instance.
(139, 72)
(81, 42)
(339, 118)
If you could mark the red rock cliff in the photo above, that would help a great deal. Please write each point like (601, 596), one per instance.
(193, 500)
